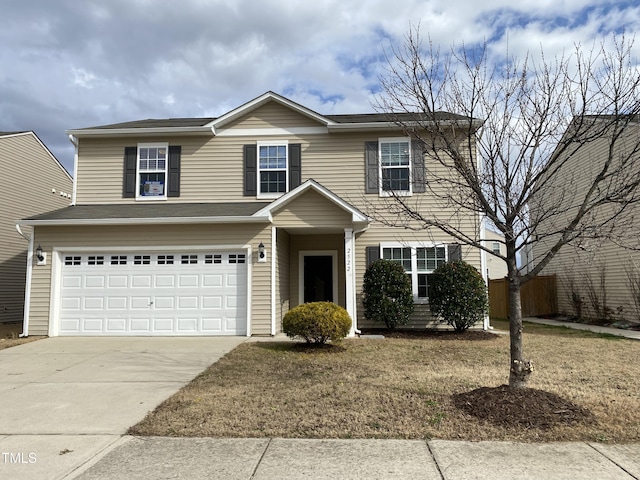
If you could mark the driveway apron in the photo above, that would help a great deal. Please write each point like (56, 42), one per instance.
(64, 399)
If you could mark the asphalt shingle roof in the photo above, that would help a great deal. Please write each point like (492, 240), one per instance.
(148, 210)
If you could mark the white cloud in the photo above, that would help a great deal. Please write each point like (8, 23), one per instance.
(69, 67)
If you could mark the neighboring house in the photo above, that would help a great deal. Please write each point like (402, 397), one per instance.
(218, 226)
(34, 183)
(596, 278)
(495, 267)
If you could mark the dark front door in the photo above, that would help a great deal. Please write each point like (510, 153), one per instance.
(318, 278)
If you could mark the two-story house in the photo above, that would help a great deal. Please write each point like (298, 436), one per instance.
(34, 182)
(218, 226)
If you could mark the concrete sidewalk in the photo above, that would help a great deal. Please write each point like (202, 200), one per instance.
(618, 332)
(271, 459)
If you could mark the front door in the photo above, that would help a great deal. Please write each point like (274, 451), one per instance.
(318, 278)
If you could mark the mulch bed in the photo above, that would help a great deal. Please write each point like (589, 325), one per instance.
(524, 407)
(470, 335)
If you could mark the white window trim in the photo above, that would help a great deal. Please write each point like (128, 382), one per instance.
(279, 143)
(166, 172)
(414, 261)
(390, 193)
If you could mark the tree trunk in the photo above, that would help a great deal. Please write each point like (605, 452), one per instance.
(520, 369)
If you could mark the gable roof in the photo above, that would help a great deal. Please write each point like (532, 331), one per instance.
(358, 218)
(208, 125)
(31, 133)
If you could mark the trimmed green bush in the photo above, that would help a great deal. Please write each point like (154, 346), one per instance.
(386, 293)
(458, 294)
(317, 322)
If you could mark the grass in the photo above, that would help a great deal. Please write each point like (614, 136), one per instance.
(402, 388)
(9, 335)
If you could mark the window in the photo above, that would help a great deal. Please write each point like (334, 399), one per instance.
(69, 260)
(236, 258)
(419, 262)
(272, 169)
(495, 246)
(395, 164)
(165, 259)
(189, 259)
(213, 258)
(152, 170)
(142, 259)
(95, 260)
(118, 259)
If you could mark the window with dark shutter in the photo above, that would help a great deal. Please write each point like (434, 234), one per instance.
(454, 252)
(371, 167)
(250, 170)
(173, 189)
(373, 254)
(418, 168)
(129, 182)
(295, 165)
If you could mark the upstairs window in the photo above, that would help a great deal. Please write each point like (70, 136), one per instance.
(152, 170)
(272, 169)
(495, 247)
(395, 165)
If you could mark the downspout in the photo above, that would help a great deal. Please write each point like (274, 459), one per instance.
(75, 142)
(356, 330)
(27, 287)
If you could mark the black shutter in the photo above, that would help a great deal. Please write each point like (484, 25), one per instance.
(250, 170)
(295, 165)
(418, 170)
(173, 190)
(129, 180)
(454, 251)
(371, 167)
(373, 254)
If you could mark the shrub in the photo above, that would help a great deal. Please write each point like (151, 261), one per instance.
(317, 322)
(458, 294)
(387, 295)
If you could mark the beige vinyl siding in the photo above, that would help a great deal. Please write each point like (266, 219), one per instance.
(578, 266)
(298, 243)
(30, 175)
(312, 210)
(272, 115)
(283, 285)
(150, 236)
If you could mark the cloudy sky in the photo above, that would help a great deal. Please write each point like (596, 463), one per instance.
(68, 64)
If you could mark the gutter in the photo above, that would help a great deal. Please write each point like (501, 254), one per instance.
(105, 132)
(27, 287)
(138, 221)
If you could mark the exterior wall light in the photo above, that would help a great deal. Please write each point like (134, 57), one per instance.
(41, 256)
(262, 256)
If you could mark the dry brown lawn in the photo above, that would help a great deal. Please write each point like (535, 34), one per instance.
(9, 335)
(404, 388)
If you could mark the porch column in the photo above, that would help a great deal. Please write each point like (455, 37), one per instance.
(350, 277)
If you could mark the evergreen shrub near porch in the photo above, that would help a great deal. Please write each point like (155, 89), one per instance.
(387, 294)
(317, 322)
(458, 294)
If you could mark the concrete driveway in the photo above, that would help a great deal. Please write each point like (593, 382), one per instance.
(65, 399)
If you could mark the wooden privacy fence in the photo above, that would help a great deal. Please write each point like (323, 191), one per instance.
(538, 297)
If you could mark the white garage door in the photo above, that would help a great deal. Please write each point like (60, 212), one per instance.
(166, 293)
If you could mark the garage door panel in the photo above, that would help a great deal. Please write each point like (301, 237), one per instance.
(165, 281)
(94, 281)
(164, 303)
(93, 303)
(116, 303)
(118, 281)
(140, 281)
(157, 294)
(211, 324)
(72, 281)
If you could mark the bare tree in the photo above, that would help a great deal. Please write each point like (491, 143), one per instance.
(521, 125)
